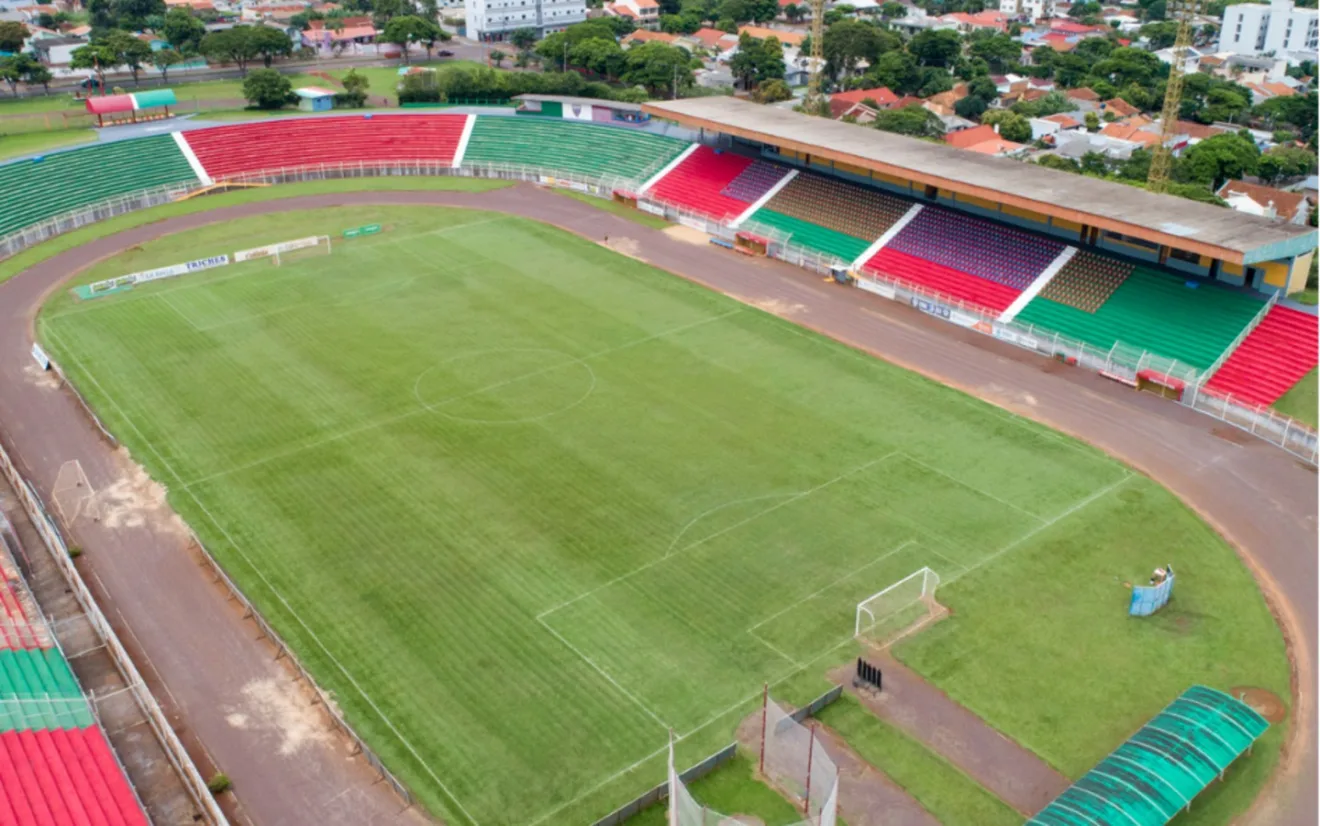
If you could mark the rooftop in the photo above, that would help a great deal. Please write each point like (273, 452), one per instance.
(761, 33)
(1285, 204)
(572, 101)
(1181, 223)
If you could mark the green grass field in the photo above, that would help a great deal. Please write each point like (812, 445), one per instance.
(523, 505)
(1302, 402)
(31, 143)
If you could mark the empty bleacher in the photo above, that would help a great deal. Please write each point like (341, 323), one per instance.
(593, 150)
(65, 181)
(1008, 256)
(1087, 281)
(754, 182)
(20, 625)
(805, 234)
(849, 209)
(982, 292)
(1157, 312)
(63, 777)
(698, 184)
(1270, 360)
(250, 147)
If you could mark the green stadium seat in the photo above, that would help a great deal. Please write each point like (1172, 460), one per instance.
(806, 234)
(567, 147)
(65, 181)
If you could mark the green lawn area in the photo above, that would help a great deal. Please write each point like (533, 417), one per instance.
(1307, 296)
(524, 506)
(646, 219)
(31, 143)
(940, 787)
(1302, 401)
(732, 789)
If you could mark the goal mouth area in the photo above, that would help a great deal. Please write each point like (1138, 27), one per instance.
(899, 610)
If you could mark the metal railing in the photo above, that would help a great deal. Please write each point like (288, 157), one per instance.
(1298, 438)
(160, 726)
(1241, 337)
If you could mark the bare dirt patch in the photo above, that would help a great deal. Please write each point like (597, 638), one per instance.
(779, 307)
(134, 499)
(1266, 703)
(625, 246)
(687, 235)
(276, 708)
(45, 379)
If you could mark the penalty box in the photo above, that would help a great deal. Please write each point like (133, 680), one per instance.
(761, 588)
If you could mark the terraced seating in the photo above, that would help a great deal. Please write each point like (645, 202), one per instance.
(699, 182)
(1087, 281)
(1156, 312)
(811, 236)
(845, 208)
(992, 251)
(587, 149)
(64, 777)
(754, 181)
(65, 181)
(984, 293)
(226, 151)
(37, 690)
(17, 630)
(1271, 359)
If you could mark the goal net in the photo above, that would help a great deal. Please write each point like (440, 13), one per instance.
(287, 251)
(887, 616)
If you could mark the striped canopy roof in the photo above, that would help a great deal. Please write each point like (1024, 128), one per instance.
(105, 104)
(1157, 772)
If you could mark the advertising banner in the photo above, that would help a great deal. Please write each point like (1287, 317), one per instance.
(287, 246)
(654, 209)
(160, 272)
(929, 308)
(40, 355)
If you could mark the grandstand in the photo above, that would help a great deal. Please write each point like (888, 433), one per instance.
(988, 233)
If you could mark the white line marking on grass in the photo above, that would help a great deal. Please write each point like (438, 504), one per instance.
(602, 784)
(973, 488)
(279, 596)
(682, 531)
(408, 414)
(1100, 494)
(602, 672)
(647, 566)
(180, 313)
(841, 579)
(763, 641)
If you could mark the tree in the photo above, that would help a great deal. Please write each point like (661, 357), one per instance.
(1012, 126)
(935, 47)
(270, 43)
(163, 59)
(983, 88)
(183, 31)
(1092, 122)
(523, 40)
(847, 43)
(1050, 104)
(893, 9)
(230, 46)
(773, 91)
(1136, 167)
(383, 11)
(658, 67)
(1091, 49)
(1087, 9)
(1126, 65)
(1059, 162)
(1161, 35)
(1218, 159)
(897, 70)
(792, 13)
(756, 60)
(997, 50)
(910, 120)
(267, 89)
(133, 14)
(1284, 162)
(38, 75)
(97, 56)
(497, 57)
(12, 36)
(600, 55)
(970, 107)
(1094, 163)
(12, 70)
(406, 30)
(355, 90)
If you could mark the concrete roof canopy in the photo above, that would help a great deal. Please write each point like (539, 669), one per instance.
(1231, 236)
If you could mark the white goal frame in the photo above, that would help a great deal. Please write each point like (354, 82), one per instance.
(286, 248)
(929, 582)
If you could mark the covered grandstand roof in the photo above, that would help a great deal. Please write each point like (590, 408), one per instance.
(1156, 773)
(1180, 223)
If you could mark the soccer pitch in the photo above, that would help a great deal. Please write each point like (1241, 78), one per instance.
(524, 505)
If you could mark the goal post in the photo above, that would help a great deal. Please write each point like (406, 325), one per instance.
(888, 615)
(286, 253)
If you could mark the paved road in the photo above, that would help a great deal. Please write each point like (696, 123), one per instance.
(287, 770)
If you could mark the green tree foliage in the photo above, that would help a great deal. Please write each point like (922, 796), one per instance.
(523, 40)
(970, 107)
(659, 68)
(772, 91)
(1051, 104)
(1094, 163)
(354, 95)
(602, 56)
(133, 14)
(850, 42)
(230, 46)
(408, 29)
(1059, 162)
(1136, 167)
(934, 81)
(996, 49)
(1092, 122)
(1012, 126)
(1161, 35)
(270, 43)
(12, 36)
(1126, 65)
(12, 70)
(38, 75)
(267, 89)
(935, 47)
(1283, 162)
(897, 70)
(1218, 159)
(893, 10)
(555, 48)
(743, 11)
(183, 31)
(910, 120)
(163, 59)
(757, 61)
(383, 11)
(1079, 11)
(1298, 111)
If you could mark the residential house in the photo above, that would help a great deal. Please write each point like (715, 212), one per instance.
(1119, 108)
(946, 100)
(56, 52)
(1266, 201)
(841, 102)
(1084, 99)
(1028, 9)
(970, 137)
(354, 30)
(1048, 127)
(281, 12)
(967, 23)
(858, 113)
(1261, 92)
(999, 148)
(712, 40)
(1310, 187)
(917, 21)
(1191, 58)
(803, 9)
(785, 37)
(1131, 132)
(645, 36)
(645, 13)
(1077, 142)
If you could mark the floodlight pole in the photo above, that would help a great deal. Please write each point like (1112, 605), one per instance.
(765, 702)
(811, 749)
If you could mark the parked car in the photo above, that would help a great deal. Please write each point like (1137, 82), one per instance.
(444, 53)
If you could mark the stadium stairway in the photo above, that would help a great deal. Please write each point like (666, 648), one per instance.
(702, 183)
(60, 182)
(226, 151)
(589, 149)
(1151, 311)
(1271, 359)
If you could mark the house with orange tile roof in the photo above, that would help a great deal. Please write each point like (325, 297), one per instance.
(786, 38)
(1119, 107)
(645, 36)
(840, 102)
(1257, 199)
(645, 13)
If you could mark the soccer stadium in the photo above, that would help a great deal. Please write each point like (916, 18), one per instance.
(716, 464)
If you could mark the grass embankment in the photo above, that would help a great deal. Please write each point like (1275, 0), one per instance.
(1302, 402)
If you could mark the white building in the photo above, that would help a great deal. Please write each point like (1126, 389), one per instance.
(497, 19)
(1030, 9)
(1280, 29)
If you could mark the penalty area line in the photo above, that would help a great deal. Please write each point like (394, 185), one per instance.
(602, 672)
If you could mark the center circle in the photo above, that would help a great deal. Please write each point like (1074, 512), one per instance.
(507, 385)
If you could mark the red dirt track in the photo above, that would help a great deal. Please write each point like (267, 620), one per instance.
(200, 654)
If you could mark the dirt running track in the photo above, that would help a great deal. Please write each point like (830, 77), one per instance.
(202, 655)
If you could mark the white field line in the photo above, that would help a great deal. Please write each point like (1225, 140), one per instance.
(425, 408)
(602, 672)
(165, 299)
(260, 266)
(762, 640)
(275, 591)
(841, 579)
(602, 784)
(1074, 508)
(763, 512)
(683, 531)
(974, 488)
